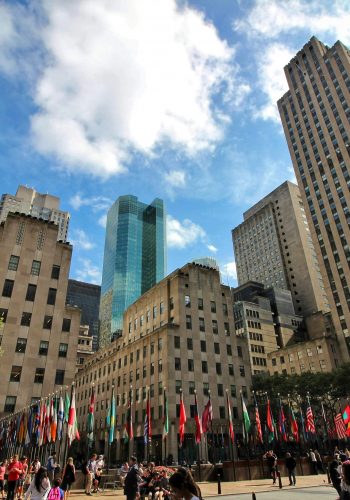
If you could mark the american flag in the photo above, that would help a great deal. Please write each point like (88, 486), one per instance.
(310, 424)
(340, 427)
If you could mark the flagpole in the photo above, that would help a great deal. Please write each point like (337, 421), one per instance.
(245, 436)
(66, 443)
(109, 430)
(60, 438)
(197, 442)
(231, 437)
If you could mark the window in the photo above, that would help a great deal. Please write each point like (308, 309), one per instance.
(152, 347)
(39, 376)
(21, 345)
(59, 379)
(188, 322)
(177, 364)
(229, 350)
(15, 374)
(26, 318)
(144, 352)
(161, 307)
(224, 308)
(227, 328)
(177, 342)
(203, 346)
(222, 411)
(137, 373)
(62, 350)
(155, 312)
(160, 344)
(152, 369)
(43, 348)
(200, 304)
(220, 390)
(3, 314)
(233, 391)
(204, 367)
(10, 404)
(231, 370)
(213, 306)
(35, 271)
(205, 388)
(201, 325)
(151, 391)
(191, 387)
(239, 351)
(190, 365)
(51, 298)
(8, 287)
(273, 361)
(66, 325)
(216, 348)
(55, 273)
(190, 344)
(215, 326)
(13, 263)
(47, 322)
(242, 371)
(160, 388)
(171, 303)
(244, 391)
(187, 301)
(218, 368)
(177, 386)
(31, 291)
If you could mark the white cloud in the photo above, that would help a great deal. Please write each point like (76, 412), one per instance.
(175, 178)
(88, 272)
(96, 203)
(102, 221)
(117, 78)
(229, 271)
(183, 234)
(212, 248)
(80, 240)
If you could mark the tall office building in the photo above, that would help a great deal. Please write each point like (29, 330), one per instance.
(87, 297)
(315, 113)
(273, 246)
(134, 258)
(42, 206)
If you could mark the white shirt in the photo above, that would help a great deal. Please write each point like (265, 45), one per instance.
(38, 495)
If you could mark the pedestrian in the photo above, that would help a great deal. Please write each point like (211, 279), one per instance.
(100, 462)
(291, 466)
(52, 467)
(345, 481)
(334, 473)
(14, 470)
(131, 483)
(68, 477)
(183, 485)
(90, 473)
(313, 462)
(56, 492)
(22, 477)
(271, 459)
(40, 486)
(124, 469)
(35, 466)
(2, 479)
(163, 490)
(97, 480)
(319, 461)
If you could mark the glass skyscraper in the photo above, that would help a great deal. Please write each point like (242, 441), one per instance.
(134, 258)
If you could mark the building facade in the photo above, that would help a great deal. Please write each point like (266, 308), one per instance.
(42, 206)
(315, 114)
(40, 332)
(178, 335)
(87, 297)
(84, 348)
(273, 246)
(134, 258)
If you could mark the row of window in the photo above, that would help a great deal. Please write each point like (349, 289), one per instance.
(47, 323)
(204, 366)
(35, 269)
(200, 305)
(203, 346)
(31, 292)
(148, 316)
(16, 372)
(21, 347)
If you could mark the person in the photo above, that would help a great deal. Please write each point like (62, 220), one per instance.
(345, 481)
(97, 479)
(131, 483)
(52, 466)
(100, 462)
(271, 459)
(22, 477)
(163, 490)
(2, 479)
(40, 486)
(90, 473)
(14, 470)
(291, 465)
(124, 469)
(334, 473)
(319, 461)
(68, 477)
(313, 462)
(56, 492)
(182, 485)
(35, 466)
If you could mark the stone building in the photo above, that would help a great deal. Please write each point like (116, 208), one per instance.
(84, 347)
(40, 333)
(178, 335)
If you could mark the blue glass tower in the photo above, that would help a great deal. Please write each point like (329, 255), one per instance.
(134, 258)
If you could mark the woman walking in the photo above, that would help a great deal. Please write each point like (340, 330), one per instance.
(40, 486)
(68, 477)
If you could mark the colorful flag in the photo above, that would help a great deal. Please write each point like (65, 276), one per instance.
(197, 420)
(259, 433)
(282, 423)
(207, 416)
(66, 406)
(270, 423)
(91, 417)
(112, 419)
(128, 429)
(147, 431)
(182, 420)
(165, 415)
(230, 422)
(54, 420)
(310, 423)
(246, 419)
(294, 425)
(29, 430)
(60, 418)
(346, 414)
(339, 426)
(72, 428)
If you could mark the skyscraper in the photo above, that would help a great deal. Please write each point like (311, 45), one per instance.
(273, 246)
(134, 258)
(315, 113)
(42, 206)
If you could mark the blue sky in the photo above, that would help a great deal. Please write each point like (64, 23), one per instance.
(157, 99)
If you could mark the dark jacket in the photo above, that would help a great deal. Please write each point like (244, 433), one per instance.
(131, 481)
(291, 463)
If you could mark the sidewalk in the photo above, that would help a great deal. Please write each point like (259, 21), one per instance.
(234, 488)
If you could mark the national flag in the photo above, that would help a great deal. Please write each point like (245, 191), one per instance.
(207, 416)
(310, 423)
(259, 433)
(165, 415)
(182, 420)
(111, 419)
(72, 428)
(147, 431)
(60, 418)
(91, 417)
(54, 420)
(270, 423)
(47, 434)
(42, 422)
(197, 420)
(346, 414)
(66, 406)
(230, 422)
(21, 434)
(302, 423)
(246, 419)
(339, 426)
(28, 437)
(282, 423)
(294, 425)
(128, 429)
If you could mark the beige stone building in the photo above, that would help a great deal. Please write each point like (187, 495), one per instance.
(178, 335)
(315, 114)
(273, 246)
(40, 333)
(84, 347)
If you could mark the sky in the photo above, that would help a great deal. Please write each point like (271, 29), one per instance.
(155, 98)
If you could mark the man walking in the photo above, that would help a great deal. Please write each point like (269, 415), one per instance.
(131, 480)
(271, 459)
(90, 473)
(313, 462)
(51, 467)
(291, 466)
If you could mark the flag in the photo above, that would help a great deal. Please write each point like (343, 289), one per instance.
(207, 416)
(302, 422)
(42, 422)
(339, 426)
(21, 434)
(29, 431)
(72, 428)
(346, 414)
(294, 425)
(182, 420)
(54, 421)
(197, 420)
(258, 423)
(112, 419)
(282, 423)
(165, 415)
(66, 407)
(230, 422)
(60, 418)
(246, 419)
(147, 432)
(47, 434)
(270, 423)
(128, 429)
(90, 418)
(310, 423)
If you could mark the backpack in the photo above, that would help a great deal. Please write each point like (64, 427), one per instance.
(54, 494)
